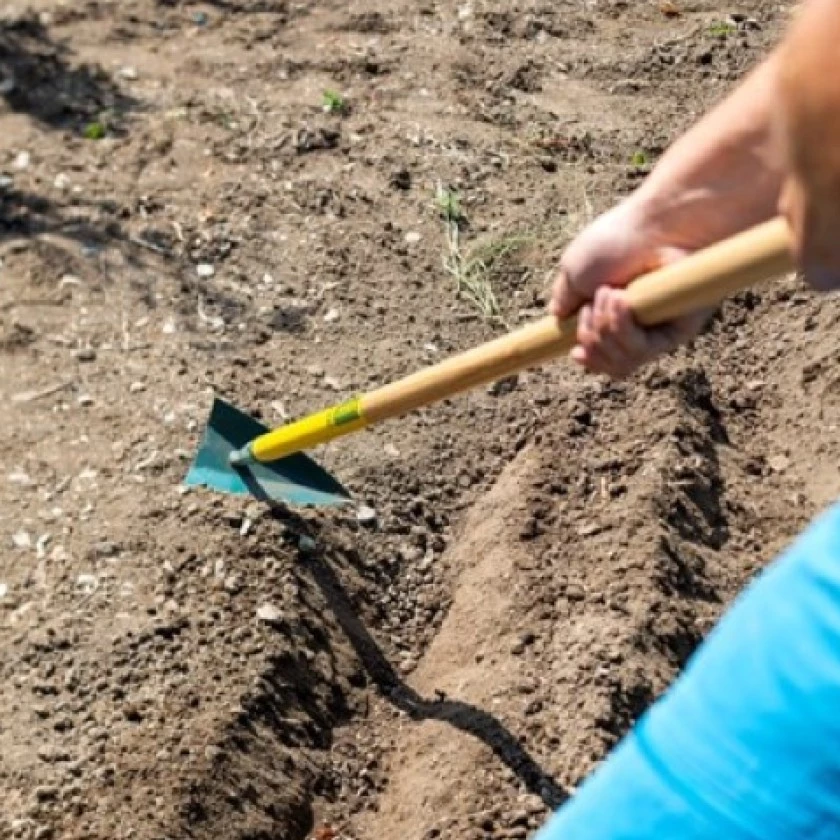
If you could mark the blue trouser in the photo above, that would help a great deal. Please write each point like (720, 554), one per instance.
(746, 743)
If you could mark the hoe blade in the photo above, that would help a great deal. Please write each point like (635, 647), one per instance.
(295, 481)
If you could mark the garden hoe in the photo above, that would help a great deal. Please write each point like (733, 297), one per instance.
(239, 455)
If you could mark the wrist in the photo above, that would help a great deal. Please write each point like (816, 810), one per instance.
(697, 210)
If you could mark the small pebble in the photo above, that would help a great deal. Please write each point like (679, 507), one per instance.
(413, 237)
(88, 583)
(84, 400)
(22, 540)
(408, 665)
(331, 316)
(205, 270)
(589, 529)
(21, 478)
(366, 515)
(778, 463)
(22, 160)
(104, 548)
(332, 382)
(86, 355)
(52, 754)
(306, 544)
(4, 590)
(269, 613)
(41, 545)
(136, 387)
(575, 592)
(391, 451)
(129, 73)
(61, 181)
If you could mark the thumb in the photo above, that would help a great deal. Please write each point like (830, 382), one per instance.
(565, 297)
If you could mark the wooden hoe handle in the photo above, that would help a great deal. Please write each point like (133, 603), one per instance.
(699, 281)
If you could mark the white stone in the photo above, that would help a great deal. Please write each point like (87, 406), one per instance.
(22, 540)
(269, 614)
(365, 515)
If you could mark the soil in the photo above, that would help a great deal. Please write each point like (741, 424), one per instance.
(546, 553)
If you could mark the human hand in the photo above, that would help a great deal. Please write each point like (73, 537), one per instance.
(627, 241)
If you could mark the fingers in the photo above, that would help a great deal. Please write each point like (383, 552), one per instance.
(610, 251)
(610, 342)
(619, 246)
(565, 298)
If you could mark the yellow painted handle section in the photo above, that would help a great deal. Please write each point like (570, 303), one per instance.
(309, 432)
(701, 280)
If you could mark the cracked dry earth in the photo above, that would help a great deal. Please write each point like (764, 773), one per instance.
(545, 554)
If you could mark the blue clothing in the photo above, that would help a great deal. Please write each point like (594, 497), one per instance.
(746, 743)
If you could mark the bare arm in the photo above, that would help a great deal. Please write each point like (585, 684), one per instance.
(724, 175)
(727, 169)
(772, 145)
(809, 131)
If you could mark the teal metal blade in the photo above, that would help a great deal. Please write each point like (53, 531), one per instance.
(296, 480)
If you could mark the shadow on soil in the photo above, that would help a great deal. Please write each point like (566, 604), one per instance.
(469, 719)
(39, 77)
(278, 7)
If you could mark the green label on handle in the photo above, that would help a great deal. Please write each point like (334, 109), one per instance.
(346, 412)
(310, 431)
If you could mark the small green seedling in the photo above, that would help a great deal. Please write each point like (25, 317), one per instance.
(722, 29)
(333, 102)
(95, 130)
(639, 159)
(449, 204)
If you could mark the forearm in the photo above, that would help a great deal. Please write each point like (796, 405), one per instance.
(729, 168)
(809, 85)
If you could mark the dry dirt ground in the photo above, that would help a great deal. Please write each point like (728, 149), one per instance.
(546, 553)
